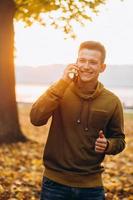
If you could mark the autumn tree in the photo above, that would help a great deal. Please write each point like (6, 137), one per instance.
(61, 14)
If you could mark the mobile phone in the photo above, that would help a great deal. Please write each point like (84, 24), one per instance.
(73, 74)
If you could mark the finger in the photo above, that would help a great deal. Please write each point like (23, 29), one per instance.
(101, 134)
(98, 149)
(72, 73)
(101, 145)
(73, 66)
(100, 140)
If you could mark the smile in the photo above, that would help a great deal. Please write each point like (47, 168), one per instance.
(86, 73)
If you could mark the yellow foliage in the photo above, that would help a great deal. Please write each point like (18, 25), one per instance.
(21, 168)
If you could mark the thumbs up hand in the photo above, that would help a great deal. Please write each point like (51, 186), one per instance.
(101, 143)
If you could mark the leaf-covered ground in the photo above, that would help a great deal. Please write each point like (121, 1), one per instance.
(21, 166)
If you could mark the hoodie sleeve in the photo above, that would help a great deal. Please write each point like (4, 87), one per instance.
(43, 108)
(115, 131)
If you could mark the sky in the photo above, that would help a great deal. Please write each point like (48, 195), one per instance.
(113, 27)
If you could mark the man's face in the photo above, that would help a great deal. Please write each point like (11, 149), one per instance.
(90, 65)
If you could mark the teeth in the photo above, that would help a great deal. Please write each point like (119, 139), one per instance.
(87, 72)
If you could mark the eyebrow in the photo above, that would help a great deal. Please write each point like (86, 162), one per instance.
(87, 59)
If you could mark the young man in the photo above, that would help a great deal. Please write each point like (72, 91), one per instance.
(87, 124)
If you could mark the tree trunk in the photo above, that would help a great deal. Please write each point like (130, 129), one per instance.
(9, 124)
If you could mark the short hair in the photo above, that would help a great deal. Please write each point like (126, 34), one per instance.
(95, 46)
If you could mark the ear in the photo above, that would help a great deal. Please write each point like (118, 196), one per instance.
(103, 67)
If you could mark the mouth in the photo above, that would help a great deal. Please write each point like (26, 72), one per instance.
(86, 72)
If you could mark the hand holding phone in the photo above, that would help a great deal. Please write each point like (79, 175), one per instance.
(70, 72)
(73, 74)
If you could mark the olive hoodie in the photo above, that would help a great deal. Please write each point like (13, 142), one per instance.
(69, 155)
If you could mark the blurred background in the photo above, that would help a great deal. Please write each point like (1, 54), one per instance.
(42, 53)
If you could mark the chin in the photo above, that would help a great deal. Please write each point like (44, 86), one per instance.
(85, 80)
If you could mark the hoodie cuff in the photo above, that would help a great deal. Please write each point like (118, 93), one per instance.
(109, 147)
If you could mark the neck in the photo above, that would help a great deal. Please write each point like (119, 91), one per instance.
(87, 86)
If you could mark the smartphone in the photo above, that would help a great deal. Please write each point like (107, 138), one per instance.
(73, 74)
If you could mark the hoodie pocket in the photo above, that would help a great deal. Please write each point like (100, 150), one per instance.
(98, 119)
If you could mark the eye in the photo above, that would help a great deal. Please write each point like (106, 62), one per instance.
(93, 62)
(82, 60)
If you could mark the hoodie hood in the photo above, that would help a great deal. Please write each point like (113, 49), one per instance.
(88, 95)
(86, 100)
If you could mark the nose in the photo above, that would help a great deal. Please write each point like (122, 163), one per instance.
(86, 65)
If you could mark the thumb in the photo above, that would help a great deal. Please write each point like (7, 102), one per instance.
(101, 134)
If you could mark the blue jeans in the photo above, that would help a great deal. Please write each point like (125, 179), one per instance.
(55, 191)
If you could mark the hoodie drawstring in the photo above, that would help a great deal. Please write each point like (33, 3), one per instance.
(85, 104)
(79, 117)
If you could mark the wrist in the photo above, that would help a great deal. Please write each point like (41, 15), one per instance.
(66, 79)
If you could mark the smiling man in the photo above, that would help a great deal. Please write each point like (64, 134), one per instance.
(87, 124)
